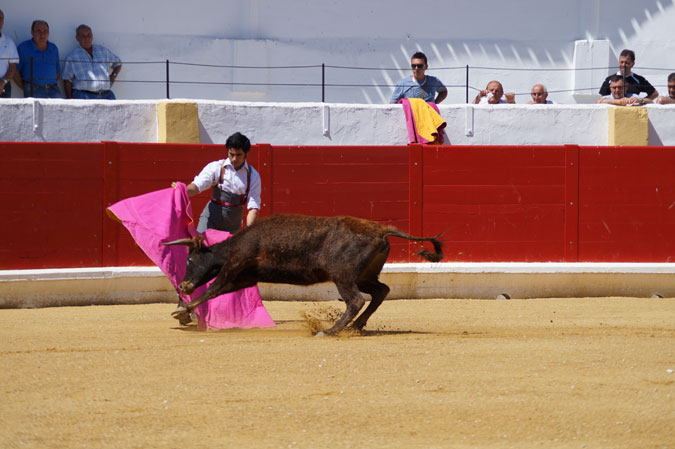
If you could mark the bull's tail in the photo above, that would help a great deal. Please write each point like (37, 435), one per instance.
(436, 256)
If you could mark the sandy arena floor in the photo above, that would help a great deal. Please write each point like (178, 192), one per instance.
(554, 373)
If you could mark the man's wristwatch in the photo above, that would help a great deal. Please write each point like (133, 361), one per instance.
(113, 74)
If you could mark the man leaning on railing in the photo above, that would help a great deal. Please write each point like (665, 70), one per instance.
(90, 69)
(617, 96)
(670, 99)
(39, 68)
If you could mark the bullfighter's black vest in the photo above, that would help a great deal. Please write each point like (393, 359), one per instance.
(225, 210)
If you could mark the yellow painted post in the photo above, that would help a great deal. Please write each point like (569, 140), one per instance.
(628, 126)
(178, 122)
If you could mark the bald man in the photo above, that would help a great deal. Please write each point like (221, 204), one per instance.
(493, 94)
(539, 95)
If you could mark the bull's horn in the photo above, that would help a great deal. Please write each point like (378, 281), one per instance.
(187, 242)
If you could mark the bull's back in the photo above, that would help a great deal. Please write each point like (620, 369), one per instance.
(299, 249)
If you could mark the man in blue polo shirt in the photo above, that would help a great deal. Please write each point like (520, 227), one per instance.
(420, 85)
(40, 80)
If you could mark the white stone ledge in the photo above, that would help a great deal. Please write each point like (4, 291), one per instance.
(422, 268)
(137, 285)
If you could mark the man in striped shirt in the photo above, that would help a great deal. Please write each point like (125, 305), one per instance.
(90, 70)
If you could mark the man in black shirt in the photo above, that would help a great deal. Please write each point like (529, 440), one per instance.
(635, 84)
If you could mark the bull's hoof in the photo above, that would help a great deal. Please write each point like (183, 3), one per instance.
(182, 315)
(320, 334)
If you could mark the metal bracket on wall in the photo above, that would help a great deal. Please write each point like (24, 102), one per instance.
(468, 121)
(326, 120)
(36, 116)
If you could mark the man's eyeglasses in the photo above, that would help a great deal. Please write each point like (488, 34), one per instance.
(417, 66)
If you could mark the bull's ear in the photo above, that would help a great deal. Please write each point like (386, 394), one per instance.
(187, 242)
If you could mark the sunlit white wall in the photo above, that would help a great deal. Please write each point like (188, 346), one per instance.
(519, 43)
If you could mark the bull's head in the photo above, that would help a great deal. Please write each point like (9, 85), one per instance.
(201, 265)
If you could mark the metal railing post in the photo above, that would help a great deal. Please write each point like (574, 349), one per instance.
(467, 84)
(167, 80)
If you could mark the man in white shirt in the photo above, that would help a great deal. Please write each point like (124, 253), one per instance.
(9, 58)
(493, 94)
(90, 70)
(235, 184)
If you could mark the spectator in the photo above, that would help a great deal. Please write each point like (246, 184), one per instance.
(670, 99)
(420, 85)
(539, 95)
(493, 93)
(617, 98)
(635, 84)
(40, 81)
(90, 70)
(9, 58)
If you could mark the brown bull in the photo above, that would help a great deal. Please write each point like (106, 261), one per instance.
(300, 250)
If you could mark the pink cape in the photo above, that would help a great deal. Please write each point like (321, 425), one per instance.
(166, 215)
(425, 125)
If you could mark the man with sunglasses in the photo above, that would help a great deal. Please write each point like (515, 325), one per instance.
(419, 85)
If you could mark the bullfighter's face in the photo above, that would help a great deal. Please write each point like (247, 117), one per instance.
(237, 157)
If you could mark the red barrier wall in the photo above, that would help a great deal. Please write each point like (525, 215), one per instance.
(554, 203)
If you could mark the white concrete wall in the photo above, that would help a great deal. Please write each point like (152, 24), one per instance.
(30, 120)
(497, 39)
(139, 285)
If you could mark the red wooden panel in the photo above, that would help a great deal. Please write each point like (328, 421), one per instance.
(504, 223)
(51, 195)
(264, 163)
(285, 174)
(382, 191)
(490, 175)
(480, 194)
(415, 195)
(343, 155)
(629, 251)
(370, 210)
(571, 238)
(627, 199)
(498, 156)
(487, 199)
(495, 203)
(482, 251)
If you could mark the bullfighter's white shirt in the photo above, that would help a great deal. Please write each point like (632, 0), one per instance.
(234, 181)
